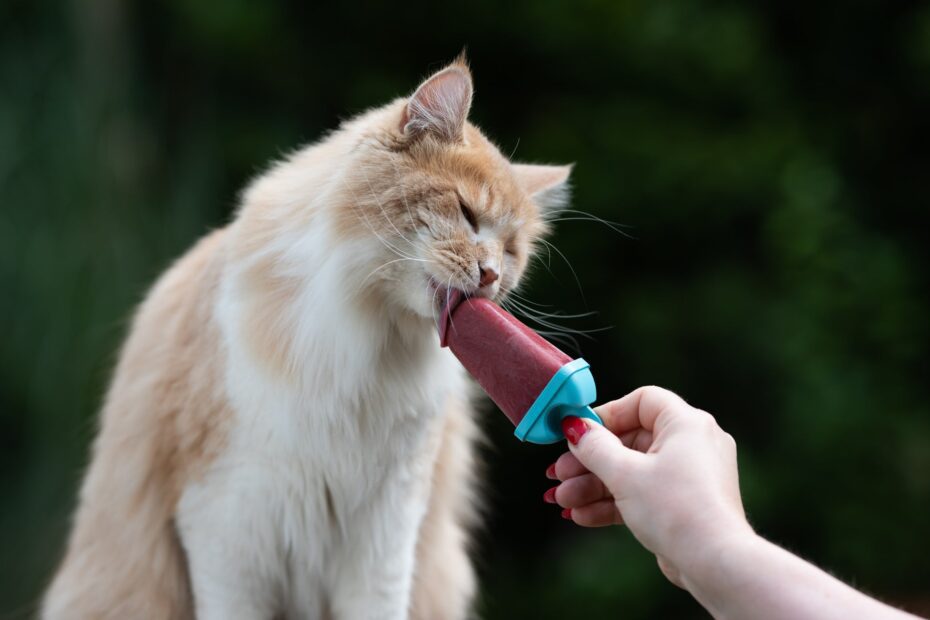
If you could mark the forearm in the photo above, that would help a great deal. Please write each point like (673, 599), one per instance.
(749, 577)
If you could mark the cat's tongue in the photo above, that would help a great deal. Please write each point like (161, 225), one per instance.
(533, 382)
(452, 300)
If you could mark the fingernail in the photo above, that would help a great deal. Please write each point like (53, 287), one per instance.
(549, 496)
(574, 428)
(550, 472)
(567, 514)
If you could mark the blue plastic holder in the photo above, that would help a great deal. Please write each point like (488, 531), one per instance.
(569, 392)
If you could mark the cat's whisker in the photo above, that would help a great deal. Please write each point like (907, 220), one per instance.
(590, 217)
(556, 335)
(448, 299)
(589, 214)
(403, 191)
(550, 329)
(543, 319)
(548, 262)
(564, 340)
(361, 211)
(514, 293)
(514, 151)
(541, 316)
(555, 315)
(567, 262)
(433, 309)
(381, 206)
(384, 241)
(389, 263)
(545, 262)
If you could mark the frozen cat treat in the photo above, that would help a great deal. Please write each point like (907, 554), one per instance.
(532, 381)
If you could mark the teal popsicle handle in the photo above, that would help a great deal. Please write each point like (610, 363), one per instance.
(569, 393)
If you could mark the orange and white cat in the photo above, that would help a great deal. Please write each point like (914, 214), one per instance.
(284, 437)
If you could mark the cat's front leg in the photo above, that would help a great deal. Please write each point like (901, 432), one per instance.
(373, 576)
(230, 551)
(444, 582)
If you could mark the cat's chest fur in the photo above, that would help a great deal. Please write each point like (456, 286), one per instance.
(324, 470)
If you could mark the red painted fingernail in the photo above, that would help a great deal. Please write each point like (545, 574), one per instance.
(574, 428)
(550, 472)
(567, 514)
(549, 496)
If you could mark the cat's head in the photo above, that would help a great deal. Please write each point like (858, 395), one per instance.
(440, 205)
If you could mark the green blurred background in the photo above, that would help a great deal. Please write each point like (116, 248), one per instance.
(769, 159)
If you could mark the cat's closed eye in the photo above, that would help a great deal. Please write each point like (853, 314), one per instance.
(469, 215)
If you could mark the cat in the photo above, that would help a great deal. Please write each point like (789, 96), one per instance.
(283, 436)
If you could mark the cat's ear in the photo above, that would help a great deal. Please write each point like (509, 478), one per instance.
(547, 186)
(440, 105)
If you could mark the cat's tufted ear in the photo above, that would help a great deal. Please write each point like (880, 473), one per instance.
(440, 105)
(547, 186)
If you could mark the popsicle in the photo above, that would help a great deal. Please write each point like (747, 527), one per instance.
(532, 381)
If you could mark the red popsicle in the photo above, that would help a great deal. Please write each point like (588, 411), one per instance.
(518, 369)
(508, 359)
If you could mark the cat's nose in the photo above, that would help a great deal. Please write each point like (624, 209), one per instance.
(487, 275)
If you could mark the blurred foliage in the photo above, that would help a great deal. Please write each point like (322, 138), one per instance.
(768, 159)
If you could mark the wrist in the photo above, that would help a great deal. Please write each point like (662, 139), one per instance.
(707, 549)
(708, 567)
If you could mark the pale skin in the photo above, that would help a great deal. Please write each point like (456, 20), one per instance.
(668, 472)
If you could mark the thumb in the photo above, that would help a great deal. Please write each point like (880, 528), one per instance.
(598, 449)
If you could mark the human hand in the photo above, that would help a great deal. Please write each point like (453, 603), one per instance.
(662, 467)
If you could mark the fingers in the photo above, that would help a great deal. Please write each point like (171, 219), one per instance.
(565, 467)
(638, 440)
(598, 514)
(638, 409)
(580, 491)
(601, 452)
(586, 500)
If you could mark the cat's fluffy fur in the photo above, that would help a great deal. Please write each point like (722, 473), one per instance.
(283, 436)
